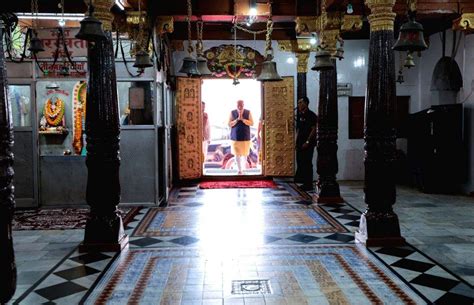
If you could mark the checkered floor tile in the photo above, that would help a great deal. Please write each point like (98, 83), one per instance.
(70, 282)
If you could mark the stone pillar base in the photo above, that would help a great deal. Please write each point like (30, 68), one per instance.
(379, 230)
(104, 247)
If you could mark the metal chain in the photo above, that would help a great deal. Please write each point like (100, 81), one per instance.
(199, 28)
(250, 31)
(268, 37)
(34, 12)
(188, 19)
(323, 22)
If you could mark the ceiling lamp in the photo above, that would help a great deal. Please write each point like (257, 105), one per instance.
(269, 71)
(189, 66)
(91, 27)
(201, 60)
(411, 36)
(350, 8)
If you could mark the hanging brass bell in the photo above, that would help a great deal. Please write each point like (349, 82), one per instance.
(142, 60)
(323, 61)
(202, 65)
(400, 79)
(36, 45)
(411, 36)
(189, 67)
(409, 62)
(236, 81)
(91, 28)
(269, 71)
(339, 53)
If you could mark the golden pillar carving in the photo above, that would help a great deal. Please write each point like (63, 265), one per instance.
(465, 23)
(302, 61)
(352, 23)
(103, 13)
(381, 17)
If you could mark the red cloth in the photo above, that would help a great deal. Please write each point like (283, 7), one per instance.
(238, 184)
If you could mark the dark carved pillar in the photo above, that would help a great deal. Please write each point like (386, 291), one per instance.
(104, 229)
(326, 136)
(301, 75)
(7, 199)
(379, 224)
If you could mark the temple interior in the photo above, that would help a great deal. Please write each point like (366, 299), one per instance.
(237, 152)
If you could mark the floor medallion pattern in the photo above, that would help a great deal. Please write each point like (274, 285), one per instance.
(334, 274)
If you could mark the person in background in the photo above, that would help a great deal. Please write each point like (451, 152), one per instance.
(240, 120)
(206, 131)
(306, 121)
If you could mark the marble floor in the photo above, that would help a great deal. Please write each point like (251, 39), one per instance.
(259, 246)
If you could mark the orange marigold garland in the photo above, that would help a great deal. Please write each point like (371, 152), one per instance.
(79, 95)
(54, 117)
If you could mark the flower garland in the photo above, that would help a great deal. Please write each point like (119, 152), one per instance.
(80, 91)
(54, 116)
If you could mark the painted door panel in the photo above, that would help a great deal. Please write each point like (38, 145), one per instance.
(279, 127)
(188, 103)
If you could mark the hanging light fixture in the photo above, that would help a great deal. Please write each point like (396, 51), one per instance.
(91, 27)
(189, 66)
(269, 71)
(201, 60)
(411, 36)
(409, 62)
(36, 45)
(236, 81)
(142, 58)
(323, 57)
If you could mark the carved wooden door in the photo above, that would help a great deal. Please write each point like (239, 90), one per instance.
(188, 103)
(279, 151)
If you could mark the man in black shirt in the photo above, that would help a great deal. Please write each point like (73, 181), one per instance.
(306, 121)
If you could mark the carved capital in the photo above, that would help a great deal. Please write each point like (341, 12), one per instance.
(464, 23)
(330, 40)
(381, 16)
(352, 23)
(164, 24)
(305, 24)
(136, 18)
(302, 61)
(287, 45)
(333, 21)
(103, 13)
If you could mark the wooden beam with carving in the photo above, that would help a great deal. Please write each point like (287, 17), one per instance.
(465, 23)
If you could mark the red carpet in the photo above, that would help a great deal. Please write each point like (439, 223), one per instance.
(61, 219)
(237, 184)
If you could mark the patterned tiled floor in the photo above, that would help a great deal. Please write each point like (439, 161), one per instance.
(210, 243)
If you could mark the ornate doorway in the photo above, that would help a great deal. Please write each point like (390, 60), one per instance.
(273, 131)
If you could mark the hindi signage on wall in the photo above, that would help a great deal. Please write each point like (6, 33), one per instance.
(49, 37)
